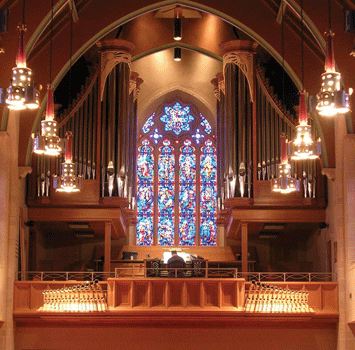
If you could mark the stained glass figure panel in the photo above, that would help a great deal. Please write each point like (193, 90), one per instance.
(187, 195)
(177, 118)
(166, 194)
(145, 194)
(208, 195)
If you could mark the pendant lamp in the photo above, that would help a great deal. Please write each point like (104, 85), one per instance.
(332, 99)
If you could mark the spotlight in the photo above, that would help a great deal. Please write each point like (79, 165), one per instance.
(177, 24)
(177, 54)
(177, 29)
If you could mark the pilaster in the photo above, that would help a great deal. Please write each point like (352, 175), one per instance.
(9, 226)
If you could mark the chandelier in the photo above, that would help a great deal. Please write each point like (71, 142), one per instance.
(303, 147)
(332, 99)
(68, 182)
(284, 183)
(47, 142)
(21, 93)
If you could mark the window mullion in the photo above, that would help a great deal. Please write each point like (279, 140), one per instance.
(198, 184)
(177, 191)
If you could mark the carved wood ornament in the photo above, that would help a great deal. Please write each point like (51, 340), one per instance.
(113, 52)
(241, 53)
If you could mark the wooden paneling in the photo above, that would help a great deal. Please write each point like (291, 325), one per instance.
(158, 295)
(200, 299)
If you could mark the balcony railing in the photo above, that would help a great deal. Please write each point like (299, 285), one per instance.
(288, 276)
(137, 272)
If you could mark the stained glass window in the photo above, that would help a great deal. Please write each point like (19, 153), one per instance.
(156, 136)
(177, 118)
(197, 136)
(148, 124)
(145, 194)
(208, 194)
(176, 194)
(187, 194)
(166, 194)
(206, 124)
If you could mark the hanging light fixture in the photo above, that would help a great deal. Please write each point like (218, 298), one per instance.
(332, 99)
(68, 182)
(177, 54)
(48, 142)
(177, 23)
(303, 147)
(22, 94)
(284, 183)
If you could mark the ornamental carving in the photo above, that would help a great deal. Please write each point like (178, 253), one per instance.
(244, 60)
(134, 85)
(214, 81)
(113, 52)
(109, 59)
(221, 85)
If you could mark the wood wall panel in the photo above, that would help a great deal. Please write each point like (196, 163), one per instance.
(140, 294)
(123, 295)
(158, 294)
(193, 294)
(211, 294)
(176, 294)
(189, 294)
(229, 293)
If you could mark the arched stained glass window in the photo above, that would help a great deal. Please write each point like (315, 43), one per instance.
(177, 179)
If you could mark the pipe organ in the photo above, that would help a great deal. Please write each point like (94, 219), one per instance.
(84, 297)
(118, 116)
(82, 121)
(250, 119)
(103, 119)
(263, 298)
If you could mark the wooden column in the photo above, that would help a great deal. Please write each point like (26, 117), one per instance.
(108, 233)
(244, 247)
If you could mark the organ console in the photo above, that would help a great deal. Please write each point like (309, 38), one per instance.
(85, 297)
(273, 299)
